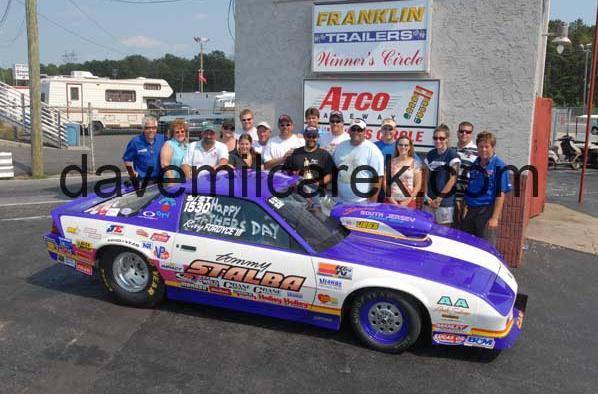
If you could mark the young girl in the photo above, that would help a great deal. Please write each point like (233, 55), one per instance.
(410, 178)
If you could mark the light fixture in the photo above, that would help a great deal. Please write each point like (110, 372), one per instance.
(562, 37)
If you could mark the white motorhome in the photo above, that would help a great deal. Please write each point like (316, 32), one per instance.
(115, 103)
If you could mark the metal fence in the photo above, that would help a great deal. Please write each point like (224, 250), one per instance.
(566, 121)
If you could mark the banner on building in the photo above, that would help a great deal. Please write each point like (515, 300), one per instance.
(413, 104)
(20, 72)
(383, 36)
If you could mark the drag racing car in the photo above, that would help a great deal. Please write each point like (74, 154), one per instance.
(265, 248)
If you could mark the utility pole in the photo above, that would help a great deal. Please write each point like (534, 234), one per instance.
(201, 41)
(586, 48)
(37, 161)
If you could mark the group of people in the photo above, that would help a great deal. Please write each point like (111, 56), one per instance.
(462, 186)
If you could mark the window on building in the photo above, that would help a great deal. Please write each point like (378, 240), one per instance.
(234, 219)
(74, 93)
(43, 97)
(152, 86)
(120, 96)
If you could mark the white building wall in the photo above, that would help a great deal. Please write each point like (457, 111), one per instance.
(485, 52)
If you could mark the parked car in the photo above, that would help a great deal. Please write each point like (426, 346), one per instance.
(390, 271)
(196, 123)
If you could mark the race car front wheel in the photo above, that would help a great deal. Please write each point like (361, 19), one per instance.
(385, 320)
(128, 276)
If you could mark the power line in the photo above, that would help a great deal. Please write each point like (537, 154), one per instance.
(8, 43)
(95, 22)
(147, 1)
(231, 7)
(5, 13)
(79, 35)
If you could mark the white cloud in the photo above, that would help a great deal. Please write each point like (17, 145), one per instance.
(199, 16)
(141, 41)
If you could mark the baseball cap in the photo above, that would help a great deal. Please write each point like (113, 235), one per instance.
(336, 114)
(389, 122)
(228, 124)
(264, 124)
(311, 131)
(284, 118)
(208, 127)
(359, 123)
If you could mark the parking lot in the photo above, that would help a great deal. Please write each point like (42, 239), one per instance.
(60, 331)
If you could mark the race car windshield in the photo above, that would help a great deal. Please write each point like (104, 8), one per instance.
(306, 217)
(125, 205)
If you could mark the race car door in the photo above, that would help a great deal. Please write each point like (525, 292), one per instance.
(227, 246)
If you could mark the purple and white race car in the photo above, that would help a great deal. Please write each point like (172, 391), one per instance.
(388, 270)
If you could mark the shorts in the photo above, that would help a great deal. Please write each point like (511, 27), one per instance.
(442, 215)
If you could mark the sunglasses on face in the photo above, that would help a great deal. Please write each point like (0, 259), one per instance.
(150, 127)
(310, 136)
(247, 120)
(465, 131)
(356, 129)
(439, 138)
(228, 128)
(336, 121)
(387, 128)
(285, 125)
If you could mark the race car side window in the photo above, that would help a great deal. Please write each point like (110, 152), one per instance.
(126, 205)
(234, 219)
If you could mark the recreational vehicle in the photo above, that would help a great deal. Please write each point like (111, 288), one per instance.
(115, 103)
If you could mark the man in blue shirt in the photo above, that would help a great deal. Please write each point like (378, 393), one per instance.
(387, 143)
(485, 194)
(142, 155)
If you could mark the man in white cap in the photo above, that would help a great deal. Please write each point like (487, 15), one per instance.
(281, 147)
(365, 159)
(206, 152)
(264, 132)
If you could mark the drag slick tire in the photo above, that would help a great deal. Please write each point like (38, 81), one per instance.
(127, 275)
(385, 320)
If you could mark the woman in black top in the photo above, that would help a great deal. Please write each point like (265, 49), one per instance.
(244, 155)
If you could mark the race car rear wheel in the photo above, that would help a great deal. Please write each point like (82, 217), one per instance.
(385, 320)
(128, 276)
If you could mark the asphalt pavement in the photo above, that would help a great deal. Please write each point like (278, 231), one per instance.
(59, 332)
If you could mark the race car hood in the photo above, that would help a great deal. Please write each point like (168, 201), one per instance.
(446, 260)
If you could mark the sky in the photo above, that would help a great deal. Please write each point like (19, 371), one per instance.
(112, 29)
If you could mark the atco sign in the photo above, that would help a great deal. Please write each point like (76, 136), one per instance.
(413, 104)
(384, 36)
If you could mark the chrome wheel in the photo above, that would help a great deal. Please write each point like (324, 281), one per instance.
(130, 272)
(385, 318)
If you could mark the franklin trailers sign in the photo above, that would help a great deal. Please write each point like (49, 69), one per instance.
(385, 36)
(413, 104)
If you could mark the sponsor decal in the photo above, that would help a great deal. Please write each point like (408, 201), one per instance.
(124, 241)
(335, 271)
(147, 245)
(89, 230)
(160, 237)
(327, 299)
(266, 290)
(66, 260)
(115, 229)
(451, 311)
(292, 294)
(245, 275)
(149, 214)
(194, 286)
(451, 327)
(84, 245)
(484, 342)
(170, 266)
(520, 320)
(236, 286)
(459, 303)
(166, 203)
(142, 233)
(112, 212)
(275, 202)
(219, 290)
(367, 225)
(126, 211)
(65, 246)
(420, 98)
(72, 230)
(51, 246)
(244, 294)
(94, 236)
(449, 339)
(295, 303)
(86, 269)
(161, 253)
(333, 284)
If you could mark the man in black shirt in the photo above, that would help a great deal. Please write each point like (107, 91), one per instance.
(317, 160)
